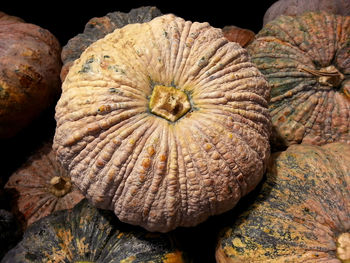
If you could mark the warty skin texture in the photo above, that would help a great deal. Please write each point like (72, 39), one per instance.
(153, 172)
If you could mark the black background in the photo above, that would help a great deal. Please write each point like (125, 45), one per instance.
(65, 20)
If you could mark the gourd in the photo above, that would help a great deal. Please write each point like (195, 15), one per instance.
(29, 73)
(40, 187)
(165, 123)
(98, 27)
(301, 213)
(306, 62)
(297, 7)
(87, 234)
(237, 34)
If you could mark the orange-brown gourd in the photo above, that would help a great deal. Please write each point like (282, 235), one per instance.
(165, 123)
(30, 65)
(301, 214)
(237, 34)
(306, 60)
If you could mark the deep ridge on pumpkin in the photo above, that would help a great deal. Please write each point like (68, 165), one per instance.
(153, 172)
(300, 212)
(87, 234)
(33, 191)
(298, 56)
(98, 27)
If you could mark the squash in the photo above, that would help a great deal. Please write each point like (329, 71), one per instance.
(297, 7)
(306, 62)
(301, 213)
(40, 187)
(86, 234)
(98, 27)
(29, 73)
(237, 34)
(164, 122)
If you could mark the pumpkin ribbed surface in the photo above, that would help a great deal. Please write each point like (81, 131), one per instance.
(302, 212)
(165, 122)
(86, 234)
(41, 186)
(306, 61)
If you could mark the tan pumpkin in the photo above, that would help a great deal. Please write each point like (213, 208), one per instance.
(297, 7)
(40, 187)
(301, 213)
(29, 73)
(237, 34)
(164, 122)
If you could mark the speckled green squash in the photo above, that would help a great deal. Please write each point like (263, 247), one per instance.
(86, 234)
(302, 212)
(306, 60)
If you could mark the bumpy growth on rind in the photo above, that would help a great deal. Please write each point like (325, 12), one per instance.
(307, 63)
(40, 187)
(86, 234)
(165, 122)
(302, 212)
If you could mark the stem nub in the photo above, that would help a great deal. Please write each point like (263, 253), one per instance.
(60, 185)
(343, 247)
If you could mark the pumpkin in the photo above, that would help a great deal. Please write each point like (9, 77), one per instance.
(306, 62)
(297, 7)
(164, 122)
(29, 73)
(301, 213)
(237, 34)
(98, 27)
(87, 234)
(10, 231)
(40, 187)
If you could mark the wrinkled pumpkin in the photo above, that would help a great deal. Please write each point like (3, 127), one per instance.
(302, 212)
(237, 34)
(306, 60)
(297, 7)
(29, 73)
(164, 122)
(98, 27)
(86, 234)
(40, 187)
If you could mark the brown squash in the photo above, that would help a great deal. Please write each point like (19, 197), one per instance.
(40, 187)
(297, 7)
(164, 122)
(237, 34)
(29, 73)
(306, 60)
(98, 27)
(301, 214)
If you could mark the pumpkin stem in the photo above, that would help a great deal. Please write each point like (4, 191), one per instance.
(343, 247)
(169, 102)
(328, 76)
(60, 185)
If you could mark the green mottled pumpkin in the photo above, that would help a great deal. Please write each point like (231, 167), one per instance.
(302, 211)
(87, 234)
(306, 60)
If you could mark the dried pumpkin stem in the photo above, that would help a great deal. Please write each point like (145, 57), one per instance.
(169, 102)
(328, 76)
(60, 185)
(343, 247)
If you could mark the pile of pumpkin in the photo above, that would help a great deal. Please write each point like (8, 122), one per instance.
(174, 139)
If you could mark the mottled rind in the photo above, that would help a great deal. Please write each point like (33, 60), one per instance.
(153, 172)
(30, 187)
(301, 210)
(294, 54)
(98, 27)
(86, 234)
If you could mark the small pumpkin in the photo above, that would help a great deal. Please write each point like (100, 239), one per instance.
(164, 122)
(98, 27)
(301, 213)
(306, 62)
(297, 7)
(87, 234)
(29, 73)
(40, 187)
(237, 34)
